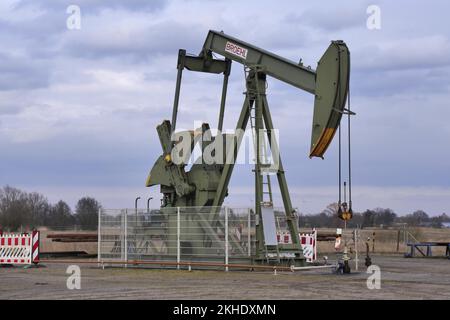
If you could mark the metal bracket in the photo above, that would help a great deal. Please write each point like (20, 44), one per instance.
(345, 111)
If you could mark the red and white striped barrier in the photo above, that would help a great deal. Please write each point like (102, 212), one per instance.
(308, 242)
(19, 248)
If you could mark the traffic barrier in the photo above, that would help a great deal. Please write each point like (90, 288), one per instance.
(19, 248)
(309, 245)
(308, 242)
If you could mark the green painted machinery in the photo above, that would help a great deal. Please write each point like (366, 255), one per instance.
(206, 184)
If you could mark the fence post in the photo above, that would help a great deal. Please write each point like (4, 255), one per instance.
(315, 244)
(405, 235)
(122, 235)
(249, 239)
(226, 238)
(356, 235)
(178, 238)
(373, 242)
(99, 237)
(398, 240)
(126, 238)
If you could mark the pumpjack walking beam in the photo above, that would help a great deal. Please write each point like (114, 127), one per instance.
(329, 82)
(250, 55)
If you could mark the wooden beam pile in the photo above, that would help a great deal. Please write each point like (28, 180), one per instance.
(73, 237)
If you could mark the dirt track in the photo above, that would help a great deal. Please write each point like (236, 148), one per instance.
(402, 278)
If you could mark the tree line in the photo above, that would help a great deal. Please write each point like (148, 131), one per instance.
(379, 217)
(24, 210)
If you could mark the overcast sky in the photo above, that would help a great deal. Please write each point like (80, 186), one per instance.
(78, 108)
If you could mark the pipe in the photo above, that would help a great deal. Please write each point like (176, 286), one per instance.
(313, 267)
(99, 234)
(148, 204)
(170, 263)
(224, 94)
(135, 225)
(180, 67)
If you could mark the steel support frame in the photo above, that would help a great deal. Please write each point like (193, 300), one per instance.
(200, 64)
(263, 119)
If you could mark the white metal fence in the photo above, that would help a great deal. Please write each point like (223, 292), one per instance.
(212, 234)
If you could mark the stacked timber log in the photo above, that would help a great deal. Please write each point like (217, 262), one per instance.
(326, 236)
(73, 237)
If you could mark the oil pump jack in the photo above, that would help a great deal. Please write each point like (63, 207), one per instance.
(206, 185)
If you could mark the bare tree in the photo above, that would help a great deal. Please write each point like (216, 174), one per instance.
(60, 215)
(40, 209)
(87, 212)
(14, 211)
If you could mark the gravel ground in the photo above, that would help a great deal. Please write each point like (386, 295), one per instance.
(401, 278)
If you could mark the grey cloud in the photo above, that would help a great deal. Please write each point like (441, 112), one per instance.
(42, 31)
(140, 43)
(92, 6)
(104, 88)
(33, 29)
(408, 53)
(114, 155)
(331, 16)
(388, 82)
(275, 38)
(20, 73)
(36, 27)
(11, 105)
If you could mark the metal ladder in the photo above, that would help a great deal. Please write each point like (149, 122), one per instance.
(266, 184)
(271, 252)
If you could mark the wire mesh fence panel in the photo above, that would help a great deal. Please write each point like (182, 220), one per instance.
(181, 234)
(241, 232)
(152, 234)
(218, 234)
(202, 233)
(111, 234)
